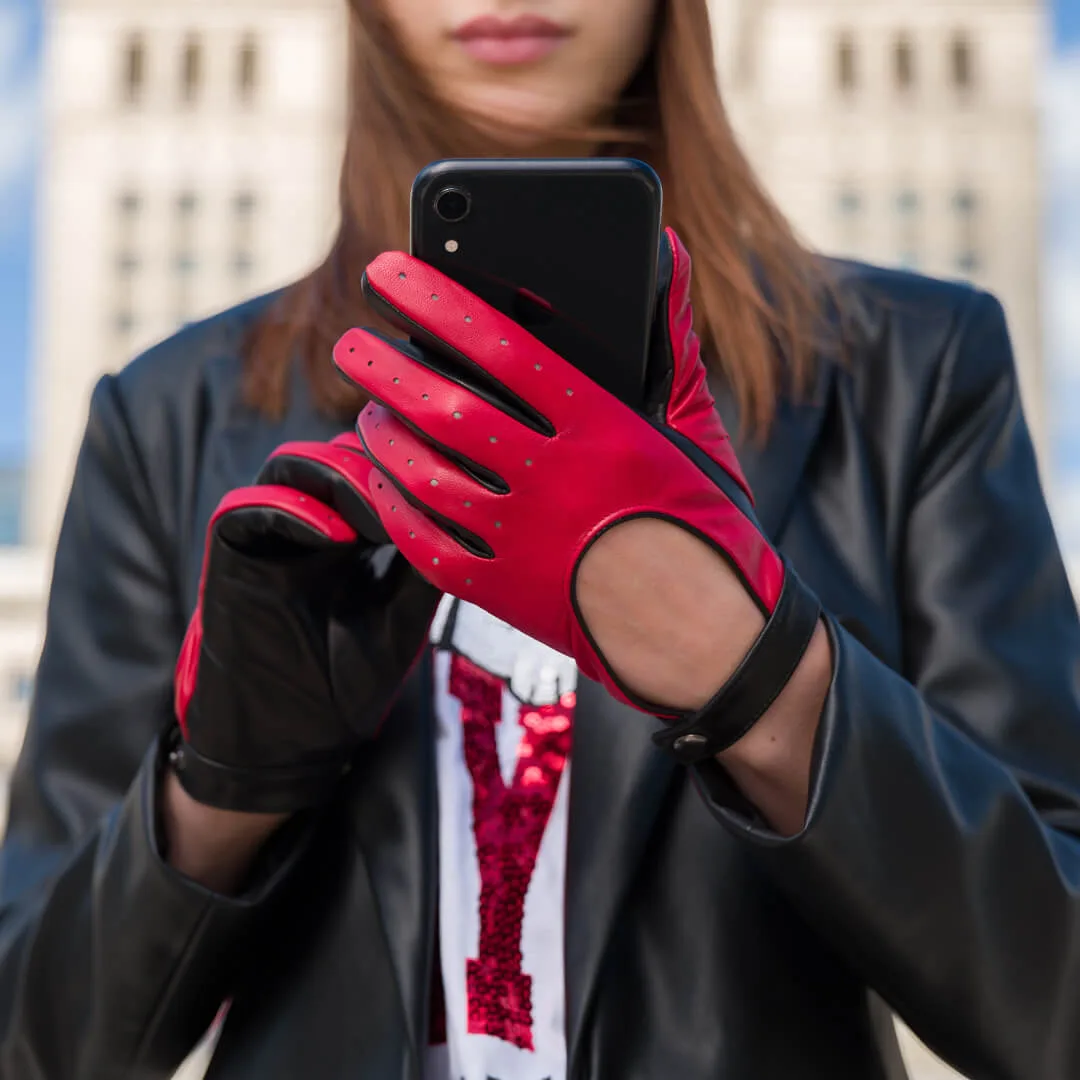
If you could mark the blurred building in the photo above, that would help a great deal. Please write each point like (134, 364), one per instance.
(24, 577)
(12, 497)
(905, 134)
(191, 159)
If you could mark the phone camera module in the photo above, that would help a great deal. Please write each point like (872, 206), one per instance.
(453, 205)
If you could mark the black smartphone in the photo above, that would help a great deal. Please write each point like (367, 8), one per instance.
(566, 248)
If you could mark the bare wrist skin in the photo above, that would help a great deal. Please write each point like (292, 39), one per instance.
(674, 622)
(215, 848)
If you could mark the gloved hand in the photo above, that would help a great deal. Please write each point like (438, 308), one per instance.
(498, 465)
(303, 633)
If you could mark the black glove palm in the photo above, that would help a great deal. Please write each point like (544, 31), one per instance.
(304, 632)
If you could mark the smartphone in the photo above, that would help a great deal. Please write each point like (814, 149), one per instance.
(568, 249)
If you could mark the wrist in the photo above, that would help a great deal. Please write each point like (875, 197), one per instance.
(790, 725)
(213, 847)
(666, 612)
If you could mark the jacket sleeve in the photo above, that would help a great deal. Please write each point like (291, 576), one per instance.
(941, 850)
(111, 964)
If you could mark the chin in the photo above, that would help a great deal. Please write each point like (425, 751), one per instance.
(523, 119)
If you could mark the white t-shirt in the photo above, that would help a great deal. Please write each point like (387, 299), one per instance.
(504, 706)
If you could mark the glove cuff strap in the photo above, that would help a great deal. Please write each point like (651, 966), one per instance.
(756, 684)
(272, 790)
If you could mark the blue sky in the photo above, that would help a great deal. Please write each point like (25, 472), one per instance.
(19, 48)
(1067, 21)
(20, 34)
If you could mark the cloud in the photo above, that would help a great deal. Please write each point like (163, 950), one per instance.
(14, 26)
(1062, 287)
(1062, 299)
(19, 116)
(18, 135)
(1062, 93)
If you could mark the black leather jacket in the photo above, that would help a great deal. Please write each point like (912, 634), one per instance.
(939, 866)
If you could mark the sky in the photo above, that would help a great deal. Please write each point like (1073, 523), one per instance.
(1061, 275)
(1067, 21)
(19, 48)
(20, 38)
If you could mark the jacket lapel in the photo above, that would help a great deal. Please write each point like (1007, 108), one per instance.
(619, 780)
(774, 469)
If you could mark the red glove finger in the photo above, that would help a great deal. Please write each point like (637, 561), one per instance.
(335, 472)
(452, 414)
(445, 315)
(428, 477)
(431, 550)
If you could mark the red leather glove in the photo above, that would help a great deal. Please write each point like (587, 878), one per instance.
(499, 464)
(303, 633)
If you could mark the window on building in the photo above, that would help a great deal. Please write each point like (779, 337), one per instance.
(968, 263)
(244, 207)
(21, 687)
(907, 202)
(962, 62)
(847, 75)
(965, 206)
(191, 70)
(187, 202)
(909, 228)
(127, 264)
(129, 205)
(849, 210)
(904, 62)
(134, 69)
(849, 202)
(185, 263)
(965, 202)
(247, 73)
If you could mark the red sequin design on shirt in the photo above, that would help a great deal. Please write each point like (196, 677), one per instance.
(508, 823)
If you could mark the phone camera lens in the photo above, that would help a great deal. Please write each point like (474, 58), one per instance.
(453, 205)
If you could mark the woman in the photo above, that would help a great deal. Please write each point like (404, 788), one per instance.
(868, 777)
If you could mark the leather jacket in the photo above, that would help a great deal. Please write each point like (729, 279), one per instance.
(938, 870)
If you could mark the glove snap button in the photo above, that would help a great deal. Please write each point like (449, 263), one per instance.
(690, 742)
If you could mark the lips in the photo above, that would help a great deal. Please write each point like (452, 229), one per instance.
(526, 39)
(524, 26)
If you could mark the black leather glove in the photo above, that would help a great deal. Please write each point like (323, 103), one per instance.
(304, 631)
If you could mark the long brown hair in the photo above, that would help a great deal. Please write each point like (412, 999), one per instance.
(763, 341)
